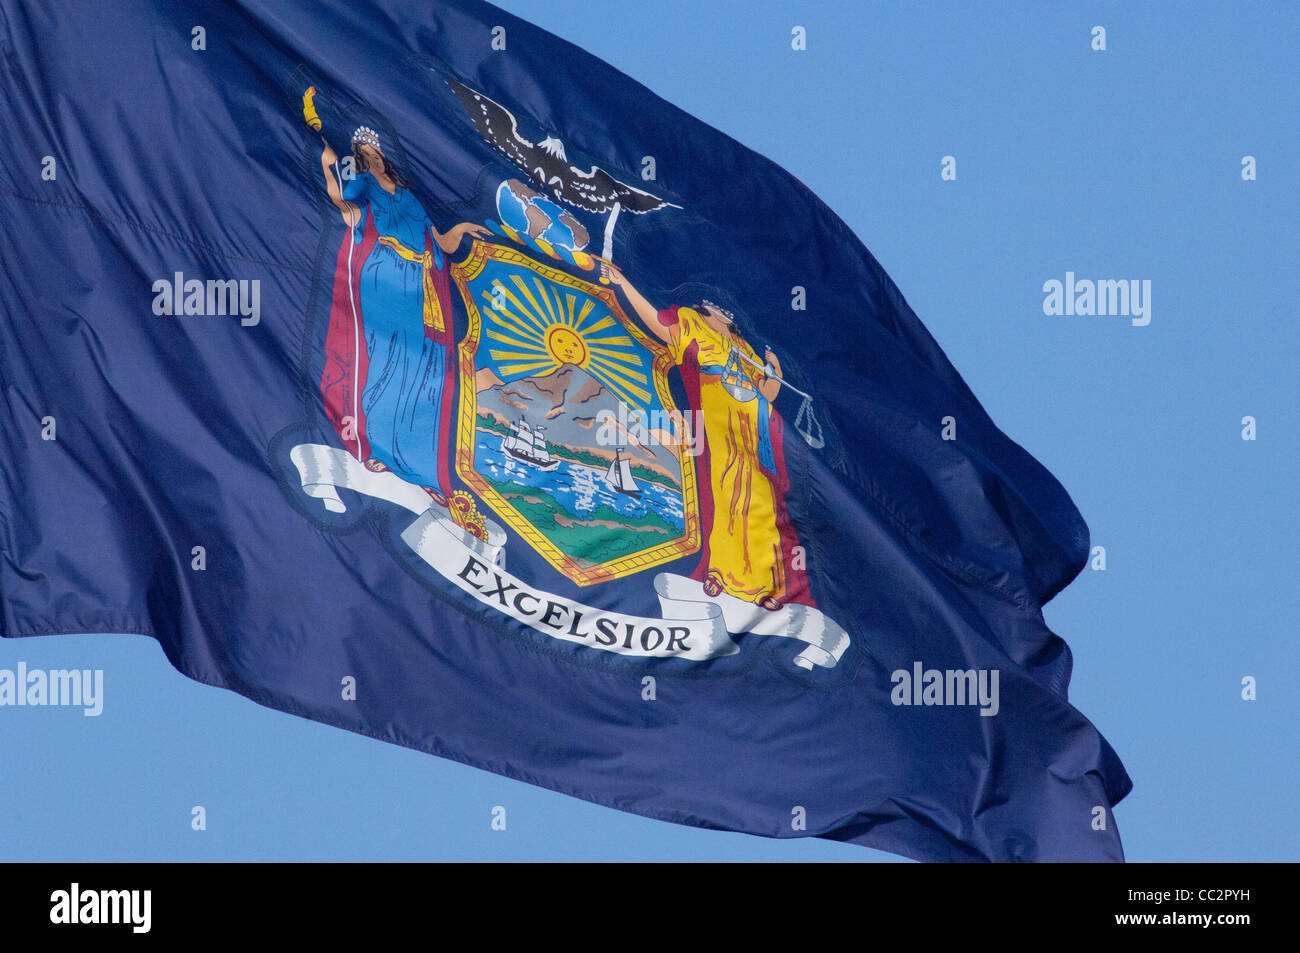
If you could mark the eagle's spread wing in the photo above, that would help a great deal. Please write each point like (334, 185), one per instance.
(596, 191)
(497, 125)
(593, 191)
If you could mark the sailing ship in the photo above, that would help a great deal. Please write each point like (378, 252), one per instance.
(619, 477)
(528, 445)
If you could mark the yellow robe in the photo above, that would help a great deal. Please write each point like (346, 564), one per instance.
(744, 542)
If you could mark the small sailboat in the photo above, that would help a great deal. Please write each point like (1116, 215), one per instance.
(619, 477)
(528, 444)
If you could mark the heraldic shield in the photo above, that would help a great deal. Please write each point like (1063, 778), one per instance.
(568, 431)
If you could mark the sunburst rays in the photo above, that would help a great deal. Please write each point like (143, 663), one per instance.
(521, 318)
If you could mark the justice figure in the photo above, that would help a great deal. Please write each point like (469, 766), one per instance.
(749, 542)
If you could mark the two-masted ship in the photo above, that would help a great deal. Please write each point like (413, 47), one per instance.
(528, 444)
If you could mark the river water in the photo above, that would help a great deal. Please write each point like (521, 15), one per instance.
(579, 489)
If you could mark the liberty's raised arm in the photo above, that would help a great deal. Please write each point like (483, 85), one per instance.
(328, 159)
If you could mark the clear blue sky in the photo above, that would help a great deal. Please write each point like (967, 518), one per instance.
(1117, 164)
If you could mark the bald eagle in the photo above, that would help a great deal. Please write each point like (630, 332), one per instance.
(545, 163)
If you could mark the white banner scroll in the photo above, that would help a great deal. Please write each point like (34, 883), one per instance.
(697, 636)
(827, 642)
(693, 626)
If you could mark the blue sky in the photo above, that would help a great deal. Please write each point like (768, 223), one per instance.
(1117, 164)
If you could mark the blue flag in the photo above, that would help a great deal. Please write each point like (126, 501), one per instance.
(404, 367)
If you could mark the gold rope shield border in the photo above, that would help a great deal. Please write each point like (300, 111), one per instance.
(463, 273)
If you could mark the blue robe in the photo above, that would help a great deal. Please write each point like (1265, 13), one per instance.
(403, 392)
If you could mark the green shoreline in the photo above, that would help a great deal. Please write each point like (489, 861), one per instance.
(585, 541)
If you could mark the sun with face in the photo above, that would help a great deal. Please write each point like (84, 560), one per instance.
(534, 329)
(565, 345)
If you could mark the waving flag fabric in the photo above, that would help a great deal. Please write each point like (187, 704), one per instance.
(401, 366)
